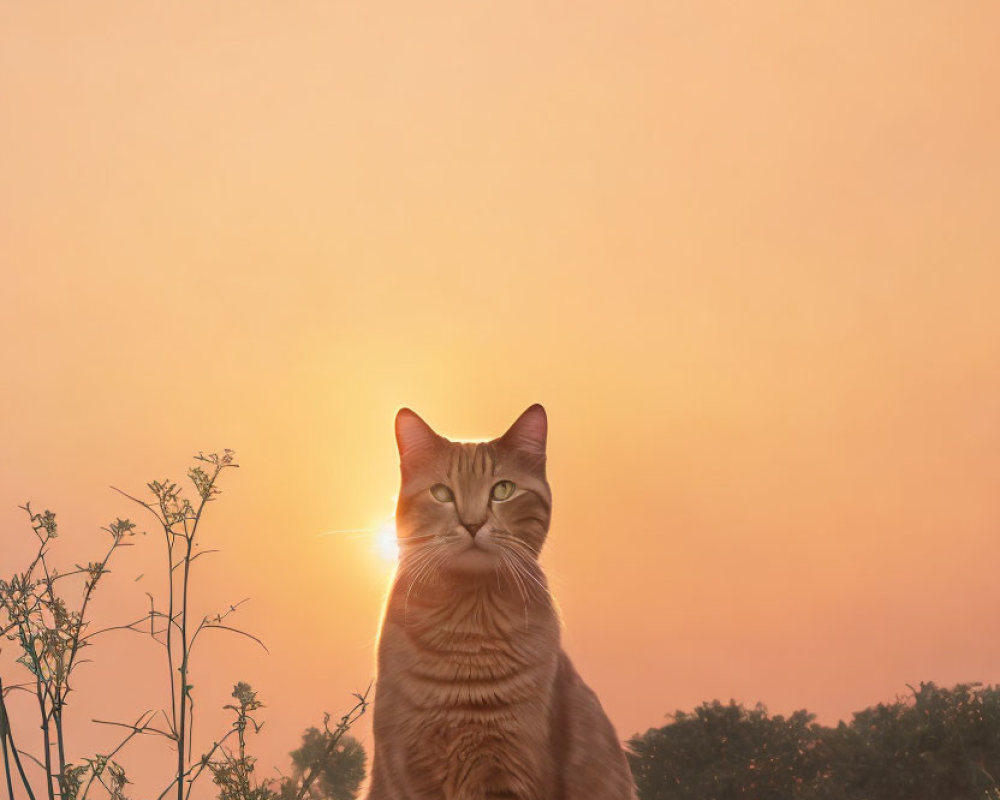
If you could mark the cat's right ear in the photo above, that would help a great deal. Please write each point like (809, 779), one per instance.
(414, 437)
(529, 431)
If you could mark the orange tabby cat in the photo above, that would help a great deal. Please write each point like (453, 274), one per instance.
(475, 698)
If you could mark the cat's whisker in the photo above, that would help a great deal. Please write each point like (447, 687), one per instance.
(521, 589)
(535, 576)
(424, 564)
(522, 557)
(428, 569)
(421, 560)
(412, 540)
(525, 595)
(524, 576)
(528, 569)
(508, 562)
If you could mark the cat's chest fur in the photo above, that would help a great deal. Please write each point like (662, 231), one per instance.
(470, 684)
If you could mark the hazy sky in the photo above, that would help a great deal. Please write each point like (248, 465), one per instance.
(746, 254)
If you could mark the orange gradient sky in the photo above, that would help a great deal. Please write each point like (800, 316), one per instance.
(746, 254)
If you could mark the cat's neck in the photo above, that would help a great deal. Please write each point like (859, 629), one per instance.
(483, 605)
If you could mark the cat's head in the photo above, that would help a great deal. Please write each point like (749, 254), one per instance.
(472, 508)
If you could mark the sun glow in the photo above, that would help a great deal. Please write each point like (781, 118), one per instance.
(386, 544)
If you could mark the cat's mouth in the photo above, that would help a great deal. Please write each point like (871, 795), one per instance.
(474, 558)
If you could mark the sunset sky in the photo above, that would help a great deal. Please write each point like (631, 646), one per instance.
(746, 255)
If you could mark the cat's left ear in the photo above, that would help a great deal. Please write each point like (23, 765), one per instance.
(529, 431)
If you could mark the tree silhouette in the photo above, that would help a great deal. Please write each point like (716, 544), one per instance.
(938, 744)
(945, 743)
(727, 751)
(339, 766)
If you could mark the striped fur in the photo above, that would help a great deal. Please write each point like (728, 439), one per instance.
(475, 699)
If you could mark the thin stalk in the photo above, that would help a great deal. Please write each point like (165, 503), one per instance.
(170, 625)
(200, 766)
(20, 766)
(78, 639)
(47, 741)
(8, 739)
(181, 728)
(3, 736)
(182, 733)
(6, 763)
(60, 744)
(53, 691)
(174, 512)
(136, 730)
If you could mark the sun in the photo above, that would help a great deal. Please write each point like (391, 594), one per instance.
(386, 544)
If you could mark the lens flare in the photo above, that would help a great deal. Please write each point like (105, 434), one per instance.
(385, 540)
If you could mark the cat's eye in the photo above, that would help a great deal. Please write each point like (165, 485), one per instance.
(442, 493)
(502, 490)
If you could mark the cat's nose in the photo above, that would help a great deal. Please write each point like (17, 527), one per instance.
(472, 527)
